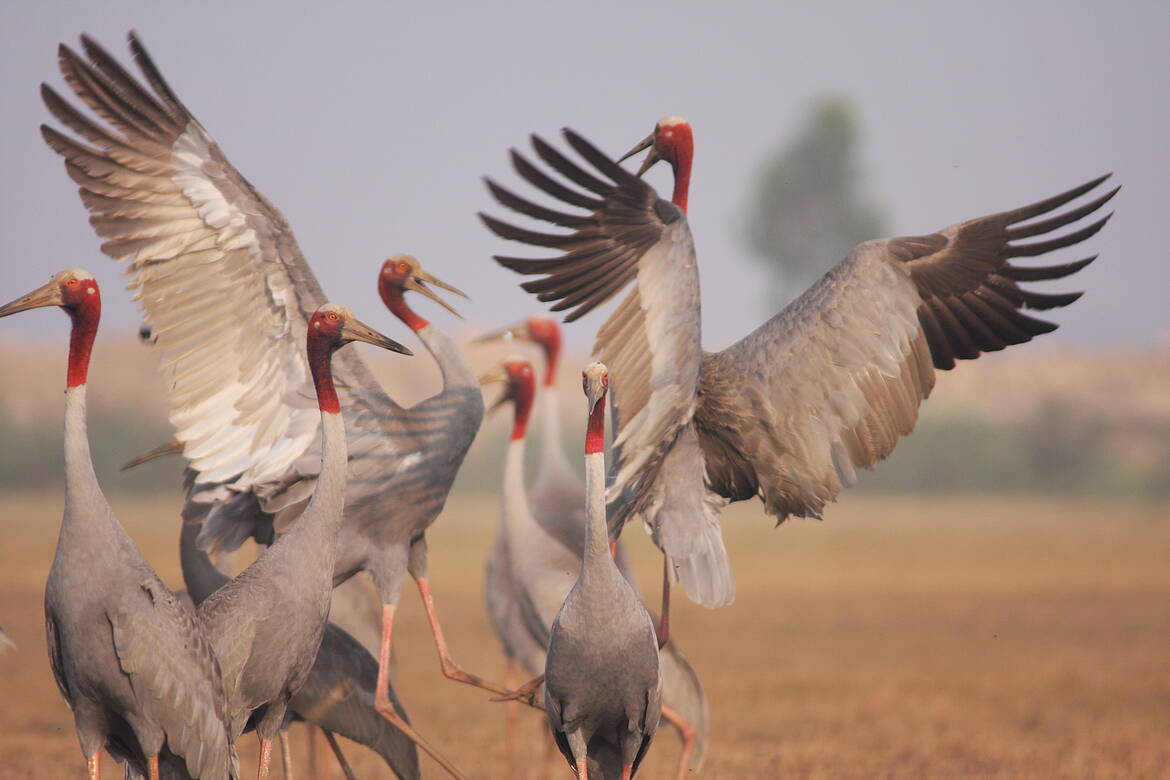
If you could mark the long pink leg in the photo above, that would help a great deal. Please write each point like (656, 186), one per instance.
(627, 771)
(93, 766)
(583, 770)
(451, 670)
(385, 707)
(265, 758)
(152, 767)
(285, 756)
(688, 737)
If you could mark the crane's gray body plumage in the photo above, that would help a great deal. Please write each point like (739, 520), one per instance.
(266, 624)
(825, 387)
(131, 660)
(552, 520)
(173, 207)
(602, 684)
(338, 694)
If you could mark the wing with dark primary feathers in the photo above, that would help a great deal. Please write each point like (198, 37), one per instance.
(832, 382)
(651, 340)
(175, 676)
(213, 264)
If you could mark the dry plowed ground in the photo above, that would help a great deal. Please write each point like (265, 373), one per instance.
(914, 637)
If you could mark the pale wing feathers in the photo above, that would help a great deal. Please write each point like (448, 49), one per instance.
(651, 341)
(212, 263)
(175, 677)
(833, 382)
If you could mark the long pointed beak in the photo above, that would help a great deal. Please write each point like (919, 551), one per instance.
(514, 331)
(419, 281)
(45, 295)
(355, 330)
(651, 157)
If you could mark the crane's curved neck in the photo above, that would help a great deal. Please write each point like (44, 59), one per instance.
(596, 530)
(85, 314)
(322, 517)
(683, 154)
(453, 364)
(552, 356)
(395, 301)
(199, 573)
(517, 517)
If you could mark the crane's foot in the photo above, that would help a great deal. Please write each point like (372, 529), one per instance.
(386, 709)
(526, 693)
(346, 769)
(689, 738)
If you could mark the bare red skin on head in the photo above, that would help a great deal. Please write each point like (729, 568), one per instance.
(595, 430)
(83, 301)
(522, 390)
(546, 332)
(324, 336)
(390, 282)
(676, 144)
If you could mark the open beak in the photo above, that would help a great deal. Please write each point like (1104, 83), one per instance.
(46, 295)
(419, 281)
(518, 330)
(355, 330)
(651, 157)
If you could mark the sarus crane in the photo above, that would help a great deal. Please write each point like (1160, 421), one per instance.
(130, 659)
(266, 624)
(208, 255)
(790, 412)
(602, 685)
(527, 579)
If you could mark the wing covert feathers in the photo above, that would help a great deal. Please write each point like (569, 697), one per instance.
(832, 383)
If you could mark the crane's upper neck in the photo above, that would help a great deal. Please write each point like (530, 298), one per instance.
(682, 153)
(552, 354)
(395, 300)
(85, 312)
(320, 354)
(596, 529)
(523, 394)
(453, 364)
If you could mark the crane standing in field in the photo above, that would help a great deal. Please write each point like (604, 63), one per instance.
(551, 522)
(790, 412)
(602, 685)
(129, 657)
(209, 256)
(266, 624)
(338, 694)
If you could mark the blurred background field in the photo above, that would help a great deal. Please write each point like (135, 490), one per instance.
(955, 636)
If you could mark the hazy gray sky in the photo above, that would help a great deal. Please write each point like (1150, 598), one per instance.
(370, 125)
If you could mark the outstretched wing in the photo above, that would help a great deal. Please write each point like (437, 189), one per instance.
(832, 382)
(175, 676)
(651, 340)
(213, 264)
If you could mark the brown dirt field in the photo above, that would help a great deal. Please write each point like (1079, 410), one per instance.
(941, 637)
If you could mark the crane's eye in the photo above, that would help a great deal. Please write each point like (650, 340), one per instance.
(71, 282)
(403, 268)
(332, 316)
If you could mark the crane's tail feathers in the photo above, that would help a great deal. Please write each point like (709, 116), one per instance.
(682, 516)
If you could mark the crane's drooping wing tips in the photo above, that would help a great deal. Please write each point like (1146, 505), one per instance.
(831, 383)
(537, 178)
(175, 676)
(569, 169)
(528, 208)
(154, 76)
(598, 159)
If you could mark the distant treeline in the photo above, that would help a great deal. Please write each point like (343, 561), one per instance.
(1058, 450)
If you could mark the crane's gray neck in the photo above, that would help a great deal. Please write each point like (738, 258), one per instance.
(456, 370)
(518, 520)
(199, 573)
(88, 519)
(597, 557)
(322, 517)
(552, 450)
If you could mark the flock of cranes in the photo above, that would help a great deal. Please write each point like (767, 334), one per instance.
(290, 441)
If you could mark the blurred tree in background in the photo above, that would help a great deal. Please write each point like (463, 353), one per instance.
(807, 211)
